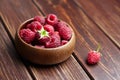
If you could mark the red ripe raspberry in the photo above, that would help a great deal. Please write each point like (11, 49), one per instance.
(36, 39)
(49, 28)
(51, 19)
(65, 32)
(40, 19)
(34, 26)
(93, 57)
(54, 41)
(27, 35)
(44, 40)
(59, 24)
(37, 35)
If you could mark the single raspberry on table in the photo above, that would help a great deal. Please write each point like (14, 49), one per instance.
(41, 19)
(27, 35)
(51, 19)
(94, 56)
(34, 26)
(49, 28)
(55, 41)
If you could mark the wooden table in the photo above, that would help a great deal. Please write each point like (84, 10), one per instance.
(94, 22)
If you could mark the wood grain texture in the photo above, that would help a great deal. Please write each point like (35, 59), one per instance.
(106, 14)
(11, 67)
(14, 13)
(18, 12)
(68, 70)
(88, 36)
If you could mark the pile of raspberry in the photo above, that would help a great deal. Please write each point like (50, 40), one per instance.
(46, 32)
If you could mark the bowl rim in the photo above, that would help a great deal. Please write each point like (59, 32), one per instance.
(21, 26)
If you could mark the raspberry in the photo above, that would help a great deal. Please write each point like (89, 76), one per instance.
(59, 24)
(44, 40)
(37, 35)
(49, 28)
(34, 26)
(94, 56)
(65, 32)
(52, 19)
(27, 35)
(40, 19)
(36, 39)
(64, 42)
(54, 41)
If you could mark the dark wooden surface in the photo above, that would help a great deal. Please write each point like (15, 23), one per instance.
(94, 22)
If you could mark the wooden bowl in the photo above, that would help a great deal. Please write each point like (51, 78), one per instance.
(44, 56)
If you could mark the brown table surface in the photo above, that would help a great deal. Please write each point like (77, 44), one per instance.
(94, 22)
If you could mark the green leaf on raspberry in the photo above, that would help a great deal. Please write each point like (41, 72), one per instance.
(43, 33)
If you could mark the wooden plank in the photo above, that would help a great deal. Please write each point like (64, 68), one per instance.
(68, 70)
(11, 67)
(88, 36)
(19, 12)
(106, 14)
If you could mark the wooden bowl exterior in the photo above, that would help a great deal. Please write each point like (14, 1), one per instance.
(45, 56)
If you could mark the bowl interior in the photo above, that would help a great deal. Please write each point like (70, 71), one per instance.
(29, 21)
